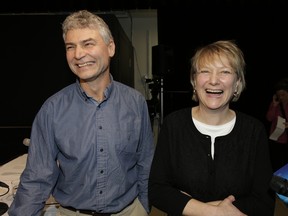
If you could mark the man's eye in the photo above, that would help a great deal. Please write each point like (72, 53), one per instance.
(69, 47)
(89, 44)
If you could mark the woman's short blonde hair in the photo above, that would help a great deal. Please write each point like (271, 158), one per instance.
(208, 53)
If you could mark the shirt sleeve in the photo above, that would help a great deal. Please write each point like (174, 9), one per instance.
(162, 194)
(261, 199)
(146, 153)
(29, 200)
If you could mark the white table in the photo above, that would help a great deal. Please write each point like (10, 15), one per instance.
(10, 172)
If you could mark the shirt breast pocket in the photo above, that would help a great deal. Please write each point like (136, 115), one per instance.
(129, 136)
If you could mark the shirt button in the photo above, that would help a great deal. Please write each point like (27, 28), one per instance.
(100, 192)
(100, 127)
(101, 150)
(101, 171)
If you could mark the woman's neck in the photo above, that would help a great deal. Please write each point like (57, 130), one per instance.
(213, 117)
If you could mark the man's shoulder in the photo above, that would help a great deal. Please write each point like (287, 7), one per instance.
(125, 89)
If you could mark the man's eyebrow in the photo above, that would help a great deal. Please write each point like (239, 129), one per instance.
(84, 41)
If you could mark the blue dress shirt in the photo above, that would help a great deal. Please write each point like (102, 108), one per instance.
(88, 155)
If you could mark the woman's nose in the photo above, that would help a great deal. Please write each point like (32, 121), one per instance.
(214, 77)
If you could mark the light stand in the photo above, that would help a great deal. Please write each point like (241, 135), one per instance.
(155, 104)
(161, 101)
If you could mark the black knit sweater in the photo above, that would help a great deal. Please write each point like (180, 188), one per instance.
(183, 162)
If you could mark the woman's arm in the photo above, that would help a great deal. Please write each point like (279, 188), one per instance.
(216, 208)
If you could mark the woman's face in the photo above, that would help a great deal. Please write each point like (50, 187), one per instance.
(282, 96)
(215, 83)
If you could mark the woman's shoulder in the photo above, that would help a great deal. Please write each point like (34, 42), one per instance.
(180, 114)
(247, 119)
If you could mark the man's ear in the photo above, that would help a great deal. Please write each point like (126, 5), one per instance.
(111, 48)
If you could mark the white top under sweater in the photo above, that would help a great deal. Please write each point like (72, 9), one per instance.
(214, 130)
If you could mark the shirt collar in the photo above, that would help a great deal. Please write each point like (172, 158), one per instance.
(107, 91)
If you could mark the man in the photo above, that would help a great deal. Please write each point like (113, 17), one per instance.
(91, 143)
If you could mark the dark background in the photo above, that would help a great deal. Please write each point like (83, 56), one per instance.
(259, 28)
(34, 67)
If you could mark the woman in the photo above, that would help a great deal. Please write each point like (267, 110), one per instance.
(210, 159)
(279, 108)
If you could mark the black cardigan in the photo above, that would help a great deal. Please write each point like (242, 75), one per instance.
(241, 166)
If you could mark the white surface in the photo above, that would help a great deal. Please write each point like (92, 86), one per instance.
(279, 130)
(9, 173)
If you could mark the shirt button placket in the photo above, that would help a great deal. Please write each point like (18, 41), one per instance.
(101, 165)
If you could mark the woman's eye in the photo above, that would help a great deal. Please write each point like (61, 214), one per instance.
(226, 72)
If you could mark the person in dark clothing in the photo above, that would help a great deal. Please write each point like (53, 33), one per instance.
(210, 159)
(278, 108)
